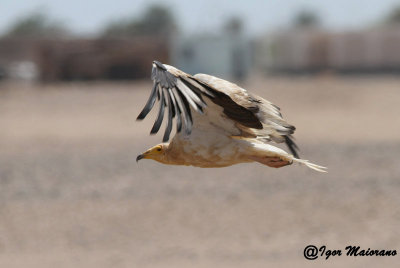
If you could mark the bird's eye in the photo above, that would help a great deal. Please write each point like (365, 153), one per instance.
(159, 149)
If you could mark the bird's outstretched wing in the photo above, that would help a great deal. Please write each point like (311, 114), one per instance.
(176, 91)
(180, 93)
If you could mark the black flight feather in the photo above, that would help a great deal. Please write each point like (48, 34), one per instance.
(188, 114)
(168, 129)
(158, 91)
(150, 103)
(291, 145)
(205, 89)
(160, 115)
(197, 92)
(185, 109)
(177, 110)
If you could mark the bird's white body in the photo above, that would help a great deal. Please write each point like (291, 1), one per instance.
(224, 124)
(210, 143)
(215, 142)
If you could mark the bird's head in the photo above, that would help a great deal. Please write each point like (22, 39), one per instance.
(156, 153)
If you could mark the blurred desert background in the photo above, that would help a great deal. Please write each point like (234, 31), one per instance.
(72, 195)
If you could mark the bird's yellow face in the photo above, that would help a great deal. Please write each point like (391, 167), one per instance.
(156, 153)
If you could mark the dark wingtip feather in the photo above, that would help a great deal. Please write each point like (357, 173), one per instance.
(160, 115)
(176, 110)
(149, 105)
(188, 114)
(171, 114)
(292, 146)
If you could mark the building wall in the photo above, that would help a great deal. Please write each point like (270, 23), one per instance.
(224, 56)
(310, 50)
(85, 59)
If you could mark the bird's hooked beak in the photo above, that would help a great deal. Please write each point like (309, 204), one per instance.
(141, 156)
(153, 153)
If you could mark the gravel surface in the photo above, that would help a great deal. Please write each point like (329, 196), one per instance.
(72, 195)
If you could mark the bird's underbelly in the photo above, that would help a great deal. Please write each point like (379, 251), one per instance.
(217, 152)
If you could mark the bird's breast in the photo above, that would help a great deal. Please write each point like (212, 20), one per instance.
(207, 150)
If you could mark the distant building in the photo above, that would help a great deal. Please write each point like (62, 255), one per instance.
(311, 50)
(226, 56)
(80, 59)
(19, 59)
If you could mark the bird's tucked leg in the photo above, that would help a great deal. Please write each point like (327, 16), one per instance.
(275, 162)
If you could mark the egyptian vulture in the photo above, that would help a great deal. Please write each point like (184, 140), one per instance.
(218, 123)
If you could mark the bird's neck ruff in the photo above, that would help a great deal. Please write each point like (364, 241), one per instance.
(168, 156)
(173, 156)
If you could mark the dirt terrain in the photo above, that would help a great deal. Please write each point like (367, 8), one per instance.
(72, 195)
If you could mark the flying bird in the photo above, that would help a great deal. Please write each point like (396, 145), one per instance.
(218, 123)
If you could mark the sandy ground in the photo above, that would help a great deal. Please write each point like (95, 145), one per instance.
(72, 195)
